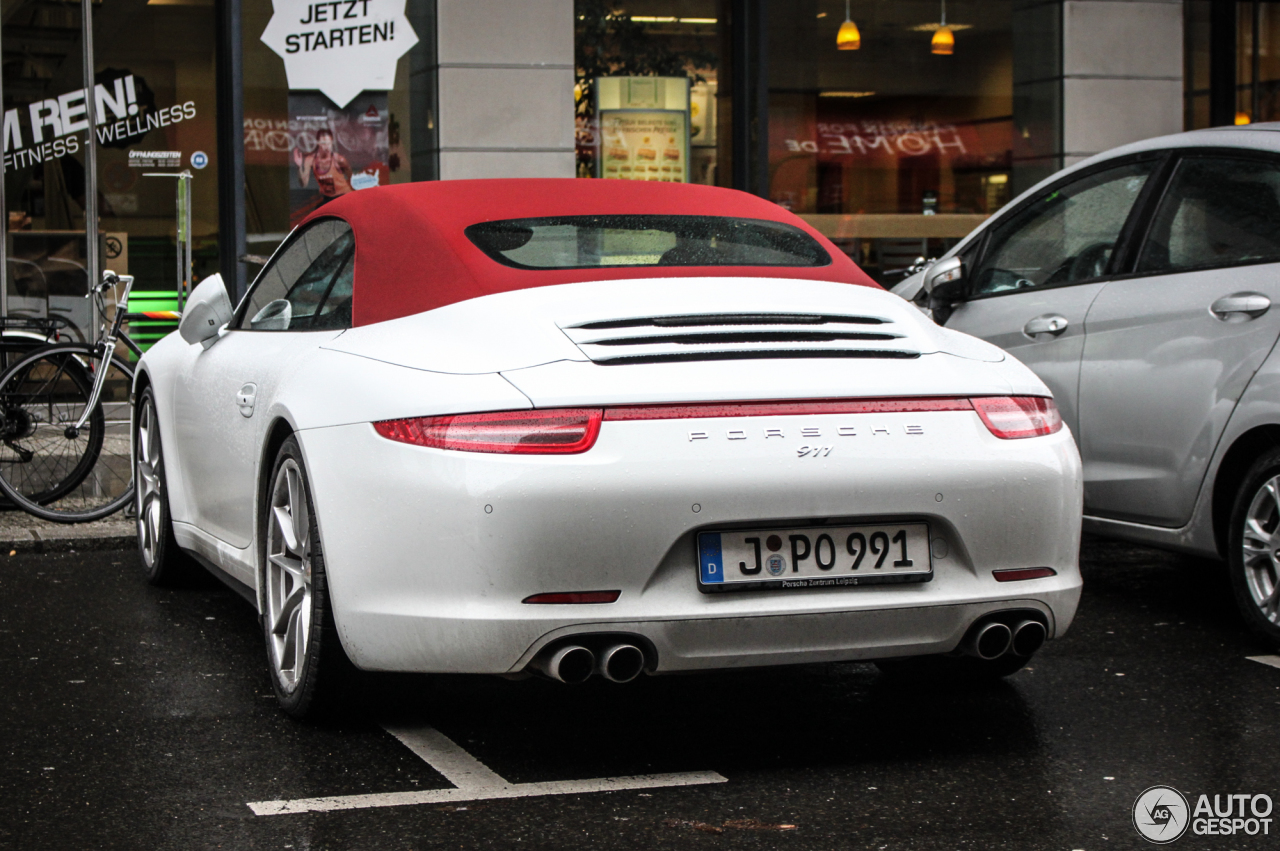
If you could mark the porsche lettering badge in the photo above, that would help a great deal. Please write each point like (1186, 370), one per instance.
(808, 432)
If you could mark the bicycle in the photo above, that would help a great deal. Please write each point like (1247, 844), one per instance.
(65, 422)
(21, 335)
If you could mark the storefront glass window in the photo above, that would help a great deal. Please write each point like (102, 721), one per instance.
(302, 149)
(896, 130)
(155, 110)
(646, 89)
(1257, 62)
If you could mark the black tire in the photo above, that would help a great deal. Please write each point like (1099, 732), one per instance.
(69, 475)
(162, 560)
(1254, 564)
(944, 669)
(315, 681)
(17, 428)
(14, 346)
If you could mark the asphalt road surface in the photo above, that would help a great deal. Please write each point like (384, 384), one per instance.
(140, 718)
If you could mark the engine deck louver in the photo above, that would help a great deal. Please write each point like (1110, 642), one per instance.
(738, 336)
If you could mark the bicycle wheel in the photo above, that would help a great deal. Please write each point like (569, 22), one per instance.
(14, 346)
(48, 467)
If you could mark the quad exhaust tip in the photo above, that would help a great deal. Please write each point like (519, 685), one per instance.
(620, 663)
(616, 661)
(570, 664)
(990, 641)
(1028, 637)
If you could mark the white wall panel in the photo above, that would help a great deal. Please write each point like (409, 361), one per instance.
(1122, 73)
(1099, 114)
(516, 32)
(506, 88)
(465, 165)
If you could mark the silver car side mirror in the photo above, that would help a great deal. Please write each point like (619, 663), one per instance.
(944, 287)
(946, 271)
(206, 312)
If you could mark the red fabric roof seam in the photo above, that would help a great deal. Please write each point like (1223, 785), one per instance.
(414, 231)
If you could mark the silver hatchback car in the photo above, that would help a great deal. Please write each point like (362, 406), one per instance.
(1143, 286)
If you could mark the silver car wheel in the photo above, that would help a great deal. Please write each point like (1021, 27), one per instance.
(1261, 549)
(150, 499)
(288, 585)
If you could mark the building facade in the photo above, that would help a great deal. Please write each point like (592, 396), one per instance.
(894, 126)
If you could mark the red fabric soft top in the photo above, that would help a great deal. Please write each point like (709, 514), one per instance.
(412, 254)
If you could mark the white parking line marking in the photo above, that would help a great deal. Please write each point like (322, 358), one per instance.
(1273, 661)
(474, 781)
(484, 793)
(447, 757)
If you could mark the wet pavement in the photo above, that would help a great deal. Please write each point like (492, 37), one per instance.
(22, 533)
(141, 718)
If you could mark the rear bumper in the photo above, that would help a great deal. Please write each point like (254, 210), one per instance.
(431, 552)
(694, 644)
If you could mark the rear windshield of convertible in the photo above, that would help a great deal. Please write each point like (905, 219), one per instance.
(586, 242)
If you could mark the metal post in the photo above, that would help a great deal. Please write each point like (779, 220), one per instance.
(1222, 63)
(182, 232)
(93, 259)
(230, 103)
(4, 210)
(750, 112)
(184, 238)
(1255, 99)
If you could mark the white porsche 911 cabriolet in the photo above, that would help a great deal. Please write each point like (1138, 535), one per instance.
(598, 428)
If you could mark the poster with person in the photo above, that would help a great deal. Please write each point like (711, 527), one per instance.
(335, 150)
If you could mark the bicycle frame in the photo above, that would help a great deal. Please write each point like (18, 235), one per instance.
(107, 345)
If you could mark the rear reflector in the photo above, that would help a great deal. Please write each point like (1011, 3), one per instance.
(1012, 417)
(555, 431)
(575, 597)
(1018, 573)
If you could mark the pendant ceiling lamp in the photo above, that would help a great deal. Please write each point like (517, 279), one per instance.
(944, 40)
(848, 38)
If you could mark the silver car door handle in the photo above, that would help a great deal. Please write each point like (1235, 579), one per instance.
(1240, 306)
(1049, 323)
(245, 398)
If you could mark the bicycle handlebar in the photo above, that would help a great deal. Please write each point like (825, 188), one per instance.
(111, 279)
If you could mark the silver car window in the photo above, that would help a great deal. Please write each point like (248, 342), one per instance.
(1217, 211)
(291, 291)
(1063, 238)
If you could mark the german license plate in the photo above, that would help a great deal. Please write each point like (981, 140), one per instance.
(814, 556)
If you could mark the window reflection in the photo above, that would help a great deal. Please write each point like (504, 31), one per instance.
(891, 127)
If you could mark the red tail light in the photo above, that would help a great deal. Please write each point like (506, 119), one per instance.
(569, 431)
(562, 431)
(1012, 417)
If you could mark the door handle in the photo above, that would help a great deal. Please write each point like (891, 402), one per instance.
(1240, 307)
(1049, 323)
(245, 398)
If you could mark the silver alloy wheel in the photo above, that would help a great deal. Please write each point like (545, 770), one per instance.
(288, 585)
(150, 500)
(1261, 550)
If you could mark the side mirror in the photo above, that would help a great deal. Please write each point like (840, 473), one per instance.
(949, 271)
(944, 282)
(207, 311)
